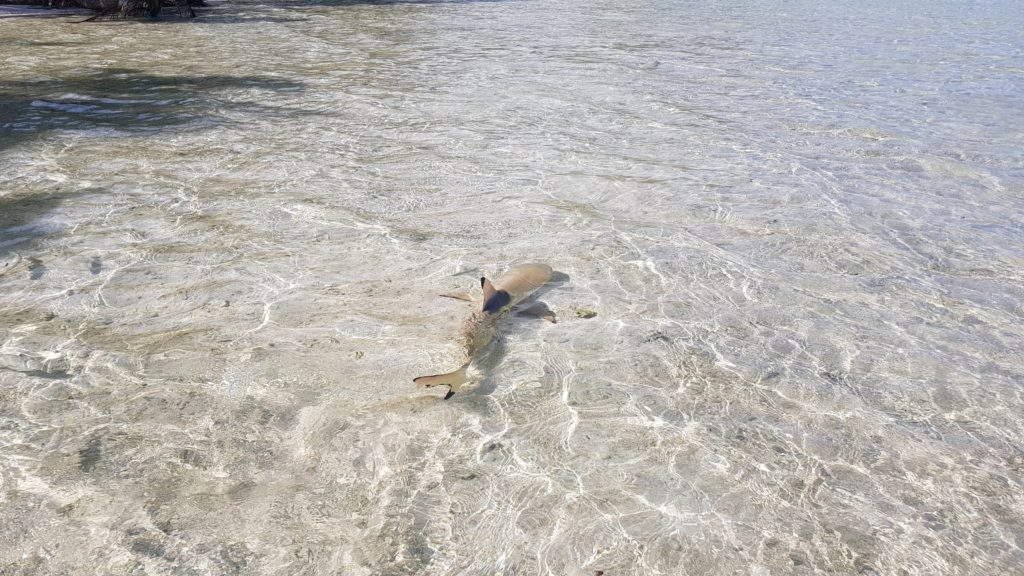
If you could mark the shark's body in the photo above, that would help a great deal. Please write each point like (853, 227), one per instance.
(477, 331)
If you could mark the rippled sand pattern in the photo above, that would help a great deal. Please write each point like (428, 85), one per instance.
(790, 306)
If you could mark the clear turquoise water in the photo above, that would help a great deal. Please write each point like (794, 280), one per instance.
(798, 224)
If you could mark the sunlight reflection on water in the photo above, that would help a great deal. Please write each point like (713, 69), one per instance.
(788, 341)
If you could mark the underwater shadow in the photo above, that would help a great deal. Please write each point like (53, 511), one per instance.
(225, 17)
(125, 101)
(12, 11)
(41, 43)
(299, 3)
(236, 12)
(18, 216)
(116, 103)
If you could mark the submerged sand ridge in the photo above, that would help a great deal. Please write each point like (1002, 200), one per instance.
(787, 338)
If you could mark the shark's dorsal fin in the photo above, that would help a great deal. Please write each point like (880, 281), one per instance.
(488, 288)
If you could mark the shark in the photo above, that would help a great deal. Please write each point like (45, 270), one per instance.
(477, 331)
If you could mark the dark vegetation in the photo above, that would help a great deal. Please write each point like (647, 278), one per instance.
(120, 9)
(157, 9)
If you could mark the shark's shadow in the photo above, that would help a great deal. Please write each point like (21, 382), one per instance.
(496, 352)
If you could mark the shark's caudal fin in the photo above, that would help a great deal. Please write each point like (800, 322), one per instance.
(453, 380)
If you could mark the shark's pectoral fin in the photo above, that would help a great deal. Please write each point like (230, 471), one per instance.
(539, 310)
(459, 296)
(454, 380)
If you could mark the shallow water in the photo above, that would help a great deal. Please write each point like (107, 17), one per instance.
(799, 225)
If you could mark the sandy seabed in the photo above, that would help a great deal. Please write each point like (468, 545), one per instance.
(790, 302)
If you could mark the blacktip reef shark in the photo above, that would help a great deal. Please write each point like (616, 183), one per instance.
(477, 331)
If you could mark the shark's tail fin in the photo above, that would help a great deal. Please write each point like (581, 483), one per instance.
(454, 380)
